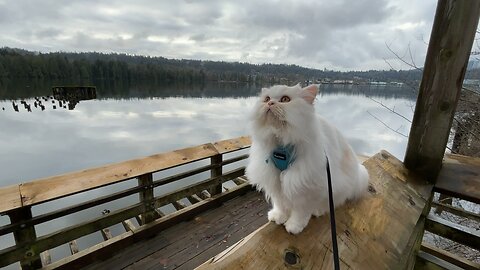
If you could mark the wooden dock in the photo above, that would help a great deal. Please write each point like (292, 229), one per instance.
(76, 93)
(211, 215)
(383, 230)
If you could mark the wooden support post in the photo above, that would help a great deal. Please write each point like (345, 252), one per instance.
(45, 257)
(146, 196)
(73, 247)
(215, 172)
(179, 205)
(128, 225)
(24, 236)
(106, 234)
(204, 195)
(447, 57)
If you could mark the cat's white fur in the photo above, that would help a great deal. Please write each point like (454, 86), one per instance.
(301, 190)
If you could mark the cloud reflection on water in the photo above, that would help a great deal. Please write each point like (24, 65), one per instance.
(99, 132)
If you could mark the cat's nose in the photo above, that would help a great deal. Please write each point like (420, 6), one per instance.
(270, 103)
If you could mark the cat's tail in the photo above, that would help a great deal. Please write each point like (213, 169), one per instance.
(362, 184)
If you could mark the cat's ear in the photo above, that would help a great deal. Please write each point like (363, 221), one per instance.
(309, 93)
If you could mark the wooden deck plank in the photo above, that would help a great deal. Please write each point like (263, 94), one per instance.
(214, 232)
(109, 248)
(233, 238)
(161, 249)
(373, 233)
(460, 177)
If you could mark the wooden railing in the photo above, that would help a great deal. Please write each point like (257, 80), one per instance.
(33, 252)
(458, 179)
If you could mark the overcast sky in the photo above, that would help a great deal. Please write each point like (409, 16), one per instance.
(335, 34)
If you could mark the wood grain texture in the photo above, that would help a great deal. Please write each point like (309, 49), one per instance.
(231, 145)
(460, 177)
(448, 52)
(11, 198)
(373, 233)
(450, 257)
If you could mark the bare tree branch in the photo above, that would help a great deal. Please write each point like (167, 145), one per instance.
(387, 126)
(402, 59)
(411, 56)
(391, 110)
(462, 127)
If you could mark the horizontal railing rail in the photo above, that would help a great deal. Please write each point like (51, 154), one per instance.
(51, 188)
(457, 182)
(28, 247)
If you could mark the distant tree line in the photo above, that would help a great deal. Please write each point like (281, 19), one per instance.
(76, 67)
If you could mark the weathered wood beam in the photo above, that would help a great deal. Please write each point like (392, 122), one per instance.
(455, 232)
(178, 205)
(377, 232)
(449, 48)
(128, 225)
(73, 247)
(24, 237)
(11, 198)
(46, 258)
(450, 257)
(427, 261)
(239, 181)
(106, 233)
(146, 197)
(457, 211)
(465, 171)
(204, 194)
(215, 172)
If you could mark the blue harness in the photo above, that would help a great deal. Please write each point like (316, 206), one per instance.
(282, 156)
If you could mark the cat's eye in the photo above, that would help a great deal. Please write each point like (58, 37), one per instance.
(285, 99)
(267, 99)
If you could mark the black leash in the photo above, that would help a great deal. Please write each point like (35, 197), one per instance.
(333, 227)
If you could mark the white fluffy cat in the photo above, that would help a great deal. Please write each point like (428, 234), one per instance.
(285, 116)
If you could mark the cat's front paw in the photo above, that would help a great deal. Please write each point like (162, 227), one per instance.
(294, 227)
(277, 216)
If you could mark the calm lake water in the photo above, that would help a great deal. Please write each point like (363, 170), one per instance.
(130, 122)
(115, 128)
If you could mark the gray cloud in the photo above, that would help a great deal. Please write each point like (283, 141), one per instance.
(336, 35)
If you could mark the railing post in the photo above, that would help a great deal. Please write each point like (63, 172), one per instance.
(25, 236)
(146, 196)
(449, 48)
(215, 172)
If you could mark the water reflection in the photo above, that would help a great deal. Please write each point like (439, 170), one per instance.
(108, 130)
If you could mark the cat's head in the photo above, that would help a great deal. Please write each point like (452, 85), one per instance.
(281, 109)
